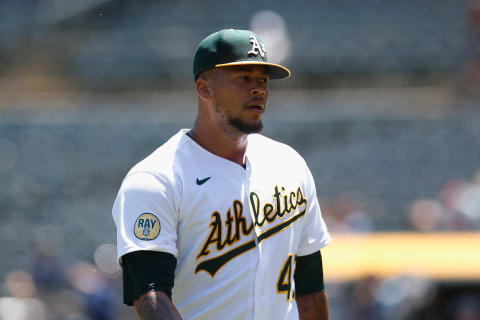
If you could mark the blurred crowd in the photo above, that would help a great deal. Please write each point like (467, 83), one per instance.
(456, 207)
(54, 289)
(402, 298)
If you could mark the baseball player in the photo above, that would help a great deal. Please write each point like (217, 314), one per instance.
(221, 222)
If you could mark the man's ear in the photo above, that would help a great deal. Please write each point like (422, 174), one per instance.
(203, 89)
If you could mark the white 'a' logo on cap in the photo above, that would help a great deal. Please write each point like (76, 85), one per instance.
(257, 47)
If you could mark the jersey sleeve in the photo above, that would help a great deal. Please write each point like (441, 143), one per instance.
(314, 234)
(145, 214)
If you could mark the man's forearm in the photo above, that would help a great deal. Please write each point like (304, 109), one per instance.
(313, 306)
(156, 305)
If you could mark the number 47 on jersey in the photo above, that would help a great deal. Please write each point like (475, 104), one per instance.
(284, 282)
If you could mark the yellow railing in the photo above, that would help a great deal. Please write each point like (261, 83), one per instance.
(441, 256)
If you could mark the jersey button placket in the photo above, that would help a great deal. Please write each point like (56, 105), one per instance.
(244, 175)
(254, 287)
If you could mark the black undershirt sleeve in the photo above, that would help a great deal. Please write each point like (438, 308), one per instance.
(145, 271)
(308, 275)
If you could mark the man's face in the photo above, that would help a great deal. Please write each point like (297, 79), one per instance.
(240, 95)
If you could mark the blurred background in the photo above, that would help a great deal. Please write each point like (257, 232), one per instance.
(383, 104)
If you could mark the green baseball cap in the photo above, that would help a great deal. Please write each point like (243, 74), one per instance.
(230, 47)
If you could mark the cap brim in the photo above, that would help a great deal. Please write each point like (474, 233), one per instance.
(275, 71)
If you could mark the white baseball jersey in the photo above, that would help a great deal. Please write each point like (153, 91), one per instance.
(235, 231)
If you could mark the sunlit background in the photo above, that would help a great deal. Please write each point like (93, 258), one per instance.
(383, 104)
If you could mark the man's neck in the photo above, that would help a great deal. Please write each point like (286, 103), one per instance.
(230, 147)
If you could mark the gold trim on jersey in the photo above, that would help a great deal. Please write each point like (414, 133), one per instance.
(292, 202)
(216, 234)
(212, 265)
(272, 212)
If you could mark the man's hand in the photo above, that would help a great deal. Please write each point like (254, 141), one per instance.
(313, 306)
(155, 305)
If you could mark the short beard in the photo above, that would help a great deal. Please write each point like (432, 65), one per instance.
(238, 123)
(244, 127)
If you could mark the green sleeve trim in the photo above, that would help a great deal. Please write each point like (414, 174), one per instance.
(308, 275)
(145, 271)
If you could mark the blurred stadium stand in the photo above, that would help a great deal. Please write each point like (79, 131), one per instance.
(382, 104)
(99, 42)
